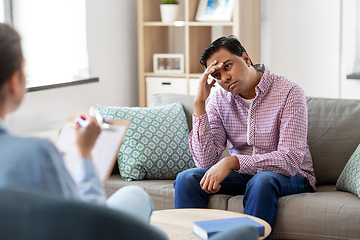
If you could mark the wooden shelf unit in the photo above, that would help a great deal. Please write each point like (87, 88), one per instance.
(188, 37)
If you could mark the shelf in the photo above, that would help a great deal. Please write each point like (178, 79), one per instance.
(190, 75)
(210, 24)
(195, 75)
(188, 37)
(170, 24)
(184, 23)
(152, 74)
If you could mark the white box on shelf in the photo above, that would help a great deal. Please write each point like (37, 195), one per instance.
(156, 85)
(194, 84)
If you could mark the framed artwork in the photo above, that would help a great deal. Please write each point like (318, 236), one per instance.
(215, 10)
(168, 63)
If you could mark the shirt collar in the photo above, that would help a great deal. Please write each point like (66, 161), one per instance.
(265, 81)
(263, 85)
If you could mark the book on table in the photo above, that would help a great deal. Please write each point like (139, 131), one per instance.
(205, 229)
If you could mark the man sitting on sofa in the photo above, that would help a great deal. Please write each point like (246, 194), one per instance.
(263, 118)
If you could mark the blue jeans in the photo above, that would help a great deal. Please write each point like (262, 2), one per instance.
(261, 191)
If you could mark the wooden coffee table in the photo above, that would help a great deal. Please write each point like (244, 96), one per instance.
(178, 223)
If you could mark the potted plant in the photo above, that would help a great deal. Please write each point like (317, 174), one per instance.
(169, 10)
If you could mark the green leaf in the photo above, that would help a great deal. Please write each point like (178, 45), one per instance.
(169, 1)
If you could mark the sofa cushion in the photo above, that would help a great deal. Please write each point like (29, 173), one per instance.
(156, 144)
(349, 179)
(337, 216)
(162, 192)
(325, 214)
(333, 135)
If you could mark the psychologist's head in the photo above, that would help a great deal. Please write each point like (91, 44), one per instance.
(12, 76)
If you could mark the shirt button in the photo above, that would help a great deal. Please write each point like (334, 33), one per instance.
(255, 150)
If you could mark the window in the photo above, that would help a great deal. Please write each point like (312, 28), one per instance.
(53, 40)
(2, 11)
(356, 35)
(5, 11)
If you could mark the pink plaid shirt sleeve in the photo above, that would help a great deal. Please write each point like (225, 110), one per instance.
(269, 136)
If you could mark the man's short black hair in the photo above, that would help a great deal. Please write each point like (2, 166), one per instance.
(231, 43)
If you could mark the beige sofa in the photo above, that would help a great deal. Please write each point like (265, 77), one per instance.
(333, 135)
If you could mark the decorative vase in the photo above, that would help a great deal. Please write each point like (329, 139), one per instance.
(169, 12)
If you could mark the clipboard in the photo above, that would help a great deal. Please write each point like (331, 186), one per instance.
(105, 150)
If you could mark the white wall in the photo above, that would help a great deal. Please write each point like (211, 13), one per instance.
(112, 46)
(300, 39)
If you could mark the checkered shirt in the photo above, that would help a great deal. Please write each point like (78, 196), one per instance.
(270, 135)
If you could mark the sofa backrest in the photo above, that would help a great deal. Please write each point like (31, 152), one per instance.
(333, 131)
(333, 135)
(168, 98)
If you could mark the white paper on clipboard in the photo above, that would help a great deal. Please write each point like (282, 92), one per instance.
(104, 152)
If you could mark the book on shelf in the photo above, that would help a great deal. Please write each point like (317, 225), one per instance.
(205, 229)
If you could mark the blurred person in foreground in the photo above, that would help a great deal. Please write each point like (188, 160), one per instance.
(35, 164)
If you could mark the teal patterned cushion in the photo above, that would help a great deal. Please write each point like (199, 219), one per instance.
(156, 144)
(349, 179)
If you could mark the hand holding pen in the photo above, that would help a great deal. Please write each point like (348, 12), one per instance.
(87, 130)
(94, 112)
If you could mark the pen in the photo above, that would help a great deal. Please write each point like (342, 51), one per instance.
(84, 124)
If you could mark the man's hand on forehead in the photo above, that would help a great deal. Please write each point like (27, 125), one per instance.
(213, 67)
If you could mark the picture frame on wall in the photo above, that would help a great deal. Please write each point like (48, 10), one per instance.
(168, 63)
(215, 10)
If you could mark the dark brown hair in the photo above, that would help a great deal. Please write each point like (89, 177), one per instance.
(231, 43)
(10, 52)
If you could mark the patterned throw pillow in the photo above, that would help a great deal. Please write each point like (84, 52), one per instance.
(349, 179)
(156, 144)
